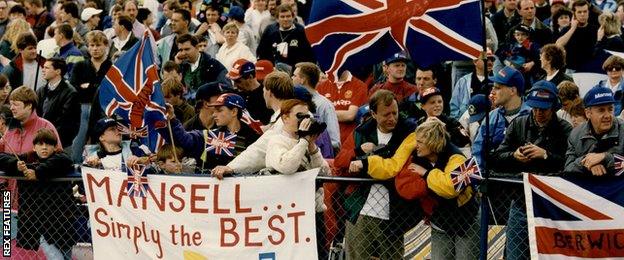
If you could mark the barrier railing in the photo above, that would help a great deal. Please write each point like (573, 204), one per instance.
(364, 218)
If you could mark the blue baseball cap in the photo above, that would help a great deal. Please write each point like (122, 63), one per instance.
(543, 95)
(397, 57)
(229, 100)
(302, 93)
(509, 77)
(236, 13)
(598, 96)
(204, 92)
(479, 104)
(103, 124)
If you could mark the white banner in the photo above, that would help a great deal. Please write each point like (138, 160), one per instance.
(188, 217)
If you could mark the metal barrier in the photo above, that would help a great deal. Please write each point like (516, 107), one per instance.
(49, 214)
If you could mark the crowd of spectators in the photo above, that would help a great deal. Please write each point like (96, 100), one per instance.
(245, 70)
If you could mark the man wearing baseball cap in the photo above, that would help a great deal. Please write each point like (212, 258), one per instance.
(212, 147)
(536, 143)
(592, 145)
(91, 17)
(395, 67)
(205, 95)
(243, 75)
(507, 92)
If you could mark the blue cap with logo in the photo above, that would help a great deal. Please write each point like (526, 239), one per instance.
(510, 77)
(229, 100)
(598, 95)
(103, 124)
(397, 57)
(543, 95)
(479, 104)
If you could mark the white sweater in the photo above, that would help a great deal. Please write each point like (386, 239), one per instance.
(288, 154)
(253, 158)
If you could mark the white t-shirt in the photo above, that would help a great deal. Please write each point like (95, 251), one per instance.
(111, 162)
(377, 203)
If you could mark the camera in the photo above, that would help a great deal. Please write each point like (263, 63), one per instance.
(316, 127)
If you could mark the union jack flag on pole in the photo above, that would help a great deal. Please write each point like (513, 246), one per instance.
(137, 181)
(466, 174)
(221, 142)
(352, 33)
(131, 89)
(618, 164)
(575, 218)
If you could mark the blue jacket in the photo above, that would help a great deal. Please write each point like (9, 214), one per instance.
(619, 99)
(461, 96)
(498, 126)
(72, 55)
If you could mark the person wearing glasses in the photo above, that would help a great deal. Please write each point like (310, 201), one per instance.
(613, 67)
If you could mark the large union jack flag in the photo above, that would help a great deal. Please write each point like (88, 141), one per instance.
(131, 89)
(137, 181)
(575, 218)
(466, 174)
(351, 33)
(221, 142)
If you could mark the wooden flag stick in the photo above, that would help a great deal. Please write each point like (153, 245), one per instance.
(175, 154)
(10, 148)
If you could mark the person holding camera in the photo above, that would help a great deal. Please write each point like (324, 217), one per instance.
(533, 143)
(293, 149)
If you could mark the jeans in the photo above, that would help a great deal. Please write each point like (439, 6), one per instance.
(447, 246)
(370, 237)
(81, 138)
(517, 244)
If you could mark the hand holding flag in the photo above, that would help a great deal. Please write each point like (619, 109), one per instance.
(466, 174)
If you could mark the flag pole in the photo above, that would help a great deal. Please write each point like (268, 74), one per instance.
(483, 242)
(175, 153)
(37, 71)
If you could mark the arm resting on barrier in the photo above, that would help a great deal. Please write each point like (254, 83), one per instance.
(439, 181)
(383, 169)
(57, 165)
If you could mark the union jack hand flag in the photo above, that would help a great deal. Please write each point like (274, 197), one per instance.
(466, 174)
(351, 33)
(619, 164)
(221, 142)
(131, 89)
(137, 181)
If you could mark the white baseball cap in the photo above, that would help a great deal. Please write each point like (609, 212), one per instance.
(88, 12)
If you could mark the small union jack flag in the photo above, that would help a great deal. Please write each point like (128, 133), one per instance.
(137, 181)
(221, 142)
(466, 174)
(619, 164)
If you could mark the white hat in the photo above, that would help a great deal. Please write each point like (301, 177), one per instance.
(88, 12)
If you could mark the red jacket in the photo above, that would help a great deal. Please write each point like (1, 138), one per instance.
(412, 186)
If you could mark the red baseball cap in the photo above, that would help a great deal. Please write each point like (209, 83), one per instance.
(263, 68)
(241, 68)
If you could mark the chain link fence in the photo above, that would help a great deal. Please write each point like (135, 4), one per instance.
(365, 219)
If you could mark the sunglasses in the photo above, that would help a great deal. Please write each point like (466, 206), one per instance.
(614, 69)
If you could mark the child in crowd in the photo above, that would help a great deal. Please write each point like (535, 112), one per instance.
(523, 54)
(111, 152)
(577, 112)
(167, 163)
(45, 207)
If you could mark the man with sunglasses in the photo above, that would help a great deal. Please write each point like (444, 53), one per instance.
(471, 84)
(613, 67)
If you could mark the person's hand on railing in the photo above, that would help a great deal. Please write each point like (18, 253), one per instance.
(368, 147)
(598, 170)
(356, 166)
(92, 161)
(592, 159)
(30, 174)
(221, 170)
